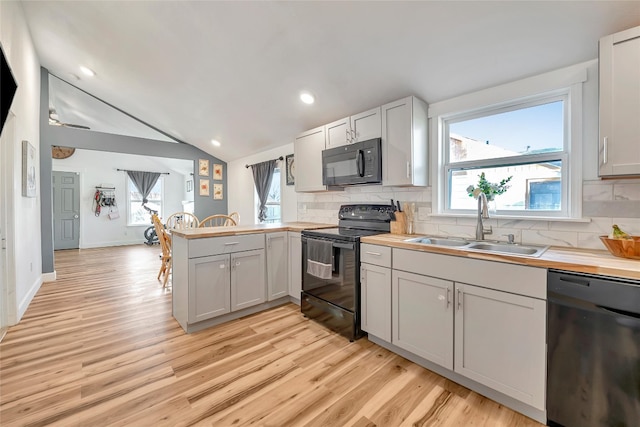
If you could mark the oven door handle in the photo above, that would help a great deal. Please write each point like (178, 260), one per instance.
(343, 245)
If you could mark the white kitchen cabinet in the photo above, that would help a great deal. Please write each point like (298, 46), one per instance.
(209, 292)
(423, 316)
(214, 276)
(619, 149)
(500, 341)
(375, 290)
(294, 247)
(277, 265)
(247, 279)
(404, 143)
(307, 149)
(360, 127)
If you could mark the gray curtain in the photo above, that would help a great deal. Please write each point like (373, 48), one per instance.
(262, 176)
(144, 182)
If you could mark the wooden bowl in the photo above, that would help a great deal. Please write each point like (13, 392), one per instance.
(624, 248)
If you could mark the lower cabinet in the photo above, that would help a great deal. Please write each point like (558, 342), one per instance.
(423, 316)
(294, 247)
(375, 290)
(247, 279)
(277, 265)
(500, 342)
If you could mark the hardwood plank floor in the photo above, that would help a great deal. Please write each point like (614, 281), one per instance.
(99, 347)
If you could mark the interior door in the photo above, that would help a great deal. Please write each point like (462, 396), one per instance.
(66, 210)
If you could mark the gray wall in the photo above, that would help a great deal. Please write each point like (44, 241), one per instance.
(77, 138)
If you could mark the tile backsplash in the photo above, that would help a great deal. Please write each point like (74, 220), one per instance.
(604, 203)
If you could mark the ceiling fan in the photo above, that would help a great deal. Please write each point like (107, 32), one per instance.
(55, 121)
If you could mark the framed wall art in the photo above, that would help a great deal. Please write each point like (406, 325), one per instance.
(203, 167)
(291, 170)
(189, 186)
(217, 172)
(204, 187)
(217, 192)
(28, 169)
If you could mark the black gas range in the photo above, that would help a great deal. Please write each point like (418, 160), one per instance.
(331, 267)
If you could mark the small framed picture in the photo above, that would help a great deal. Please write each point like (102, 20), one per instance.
(204, 187)
(217, 192)
(203, 167)
(189, 186)
(291, 170)
(28, 169)
(217, 172)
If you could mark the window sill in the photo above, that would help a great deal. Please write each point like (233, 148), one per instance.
(513, 217)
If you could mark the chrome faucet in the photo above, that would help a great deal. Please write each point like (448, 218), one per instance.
(483, 212)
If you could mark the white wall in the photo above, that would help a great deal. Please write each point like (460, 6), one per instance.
(24, 265)
(98, 167)
(241, 189)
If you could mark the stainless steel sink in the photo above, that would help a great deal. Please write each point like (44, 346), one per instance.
(506, 248)
(481, 246)
(440, 241)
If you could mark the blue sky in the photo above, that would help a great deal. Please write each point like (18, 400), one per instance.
(538, 127)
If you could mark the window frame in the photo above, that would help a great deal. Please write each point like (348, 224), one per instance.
(129, 201)
(257, 200)
(565, 83)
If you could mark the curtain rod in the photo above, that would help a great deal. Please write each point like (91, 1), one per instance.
(279, 158)
(125, 170)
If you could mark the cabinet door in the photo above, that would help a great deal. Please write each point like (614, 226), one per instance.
(247, 279)
(404, 142)
(295, 265)
(367, 125)
(500, 342)
(423, 316)
(375, 285)
(307, 149)
(620, 103)
(208, 287)
(338, 133)
(277, 265)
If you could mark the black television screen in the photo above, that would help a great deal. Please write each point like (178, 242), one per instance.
(8, 88)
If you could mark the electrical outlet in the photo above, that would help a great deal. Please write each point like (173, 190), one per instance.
(423, 213)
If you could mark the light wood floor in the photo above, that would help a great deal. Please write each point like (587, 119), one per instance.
(99, 347)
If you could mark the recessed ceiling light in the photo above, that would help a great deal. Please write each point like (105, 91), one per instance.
(215, 143)
(87, 71)
(307, 98)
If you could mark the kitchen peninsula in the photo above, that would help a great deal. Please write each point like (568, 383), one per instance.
(223, 273)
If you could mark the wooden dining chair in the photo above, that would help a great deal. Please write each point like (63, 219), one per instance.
(165, 243)
(182, 221)
(218, 220)
(236, 217)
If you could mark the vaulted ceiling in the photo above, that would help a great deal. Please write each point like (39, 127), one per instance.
(232, 71)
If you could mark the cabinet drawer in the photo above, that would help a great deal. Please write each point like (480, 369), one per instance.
(374, 254)
(225, 244)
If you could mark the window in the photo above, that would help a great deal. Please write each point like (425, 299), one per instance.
(137, 214)
(525, 142)
(529, 130)
(274, 213)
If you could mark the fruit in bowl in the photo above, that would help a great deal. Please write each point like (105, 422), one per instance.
(622, 244)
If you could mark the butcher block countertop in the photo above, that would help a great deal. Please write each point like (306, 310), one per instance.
(199, 233)
(568, 259)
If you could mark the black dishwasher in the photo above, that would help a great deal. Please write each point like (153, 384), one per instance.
(593, 350)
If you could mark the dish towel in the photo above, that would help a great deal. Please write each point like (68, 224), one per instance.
(319, 253)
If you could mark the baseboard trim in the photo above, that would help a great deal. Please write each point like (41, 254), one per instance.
(49, 277)
(24, 304)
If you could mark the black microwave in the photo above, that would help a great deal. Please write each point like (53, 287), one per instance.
(357, 163)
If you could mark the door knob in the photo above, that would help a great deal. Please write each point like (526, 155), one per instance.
(76, 216)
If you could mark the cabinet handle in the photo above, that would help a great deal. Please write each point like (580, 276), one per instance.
(231, 243)
(605, 146)
(459, 299)
(408, 169)
(448, 297)
(348, 137)
(373, 253)
(354, 136)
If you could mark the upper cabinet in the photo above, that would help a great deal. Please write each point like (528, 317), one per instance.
(619, 144)
(360, 127)
(307, 149)
(404, 143)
